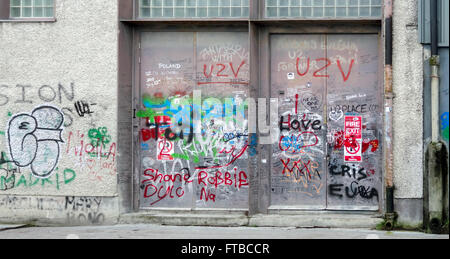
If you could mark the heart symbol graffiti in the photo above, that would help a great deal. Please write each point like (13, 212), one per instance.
(336, 115)
(91, 163)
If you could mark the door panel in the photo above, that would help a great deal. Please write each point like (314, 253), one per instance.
(167, 71)
(181, 168)
(298, 177)
(223, 78)
(330, 121)
(354, 93)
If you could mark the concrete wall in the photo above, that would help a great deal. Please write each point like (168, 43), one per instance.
(58, 104)
(408, 108)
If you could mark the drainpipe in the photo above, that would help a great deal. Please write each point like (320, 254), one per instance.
(435, 214)
(388, 115)
(434, 63)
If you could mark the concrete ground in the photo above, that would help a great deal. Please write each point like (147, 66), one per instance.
(196, 233)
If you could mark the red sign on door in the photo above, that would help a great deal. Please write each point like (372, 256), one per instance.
(353, 139)
(164, 147)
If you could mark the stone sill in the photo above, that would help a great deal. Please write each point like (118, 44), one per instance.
(31, 20)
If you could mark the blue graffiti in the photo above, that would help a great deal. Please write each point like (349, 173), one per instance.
(444, 121)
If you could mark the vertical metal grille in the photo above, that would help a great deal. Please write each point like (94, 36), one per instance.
(31, 8)
(193, 8)
(323, 8)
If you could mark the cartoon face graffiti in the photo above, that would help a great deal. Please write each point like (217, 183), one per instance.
(34, 139)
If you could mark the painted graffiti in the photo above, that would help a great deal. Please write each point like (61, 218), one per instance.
(28, 94)
(444, 126)
(297, 124)
(11, 179)
(98, 160)
(82, 108)
(7, 178)
(99, 136)
(74, 210)
(160, 186)
(34, 139)
(359, 187)
(352, 191)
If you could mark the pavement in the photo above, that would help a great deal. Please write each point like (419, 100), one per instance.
(146, 231)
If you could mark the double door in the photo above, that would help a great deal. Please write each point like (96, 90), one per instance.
(327, 154)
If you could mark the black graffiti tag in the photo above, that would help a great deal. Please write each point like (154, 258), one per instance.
(83, 108)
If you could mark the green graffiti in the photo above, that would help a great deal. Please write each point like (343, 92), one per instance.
(66, 179)
(150, 101)
(445, 134)
(2, 132)
(99, 136)
(68, 176)
(444, 126)
(179, 109)
(194, 151)
(22, 181)
(32, 181)
(150, 114)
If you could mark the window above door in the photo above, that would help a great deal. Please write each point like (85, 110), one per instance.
(325, 9)
(258, 9)
(193, 8)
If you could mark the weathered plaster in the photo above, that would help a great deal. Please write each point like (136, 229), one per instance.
(61, 63)
(408, 102)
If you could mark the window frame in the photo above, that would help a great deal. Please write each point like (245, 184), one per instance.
(324, 18)
(137, 15)
(257, 13)
(6, 16)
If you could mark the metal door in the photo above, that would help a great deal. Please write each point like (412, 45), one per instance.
(354, 95)
(179, 167)
(328, 155)
(298, 178)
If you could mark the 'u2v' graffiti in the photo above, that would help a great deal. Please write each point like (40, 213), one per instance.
(34, 139)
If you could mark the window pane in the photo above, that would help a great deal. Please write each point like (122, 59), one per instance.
(15, 11)
(26, 12)
(48, 12)
(37, 3)
(26, 2)
(15, 3)
(145, 12)
(323, 8)
(194, 8)
(38, 12)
